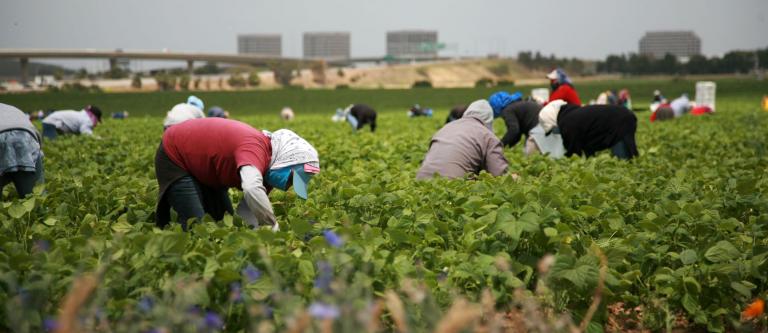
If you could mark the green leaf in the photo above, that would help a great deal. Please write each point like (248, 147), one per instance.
(722, 251)
(122, 226)
(306, 270)
(16, 211)
(51, 221)
(742, 288)
(690, 304)
(688, 257)
(550, 232)
(211, 266)
(691, 285)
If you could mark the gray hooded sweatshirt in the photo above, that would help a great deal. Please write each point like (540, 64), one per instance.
(12, 118)
(465, 146)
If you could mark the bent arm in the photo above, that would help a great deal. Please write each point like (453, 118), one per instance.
(85, 129)
(513, 130)
(495, 162)
(255, 195)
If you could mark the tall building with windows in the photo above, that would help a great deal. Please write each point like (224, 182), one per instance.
(260, 44)
(327, 45)
(412, 44)
(682, 44)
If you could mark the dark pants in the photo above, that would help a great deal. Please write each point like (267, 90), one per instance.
(621, 151)
(24, 181)
(190, 200)
(49, 131)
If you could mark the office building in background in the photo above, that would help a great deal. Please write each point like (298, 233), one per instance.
(260, 44)
(417, 44)
(682, 44)
(327, 45)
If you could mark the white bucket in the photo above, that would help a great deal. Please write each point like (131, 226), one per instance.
(705, 94)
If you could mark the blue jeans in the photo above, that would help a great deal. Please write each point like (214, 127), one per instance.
(49, 131)
(192, 200)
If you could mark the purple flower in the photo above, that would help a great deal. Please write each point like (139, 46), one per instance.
(213, 320)
(324, 276)
(251, 273)
(235, 295)
(323, 311)
(332, 238)
(146, 303)
(50, 324)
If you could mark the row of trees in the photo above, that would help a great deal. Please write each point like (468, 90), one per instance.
(734, 62)
(539, 62)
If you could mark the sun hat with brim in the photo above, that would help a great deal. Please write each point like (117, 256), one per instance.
(197, 102)
(302, 174)
(552, 75)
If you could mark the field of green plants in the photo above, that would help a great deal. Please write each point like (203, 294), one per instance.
(677, 238)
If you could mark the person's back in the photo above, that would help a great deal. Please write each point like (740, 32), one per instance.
(364, 114)
(464, 146)
(69, 121)
(214, 158)
(680, 105)
(521, 117)
(12, 118)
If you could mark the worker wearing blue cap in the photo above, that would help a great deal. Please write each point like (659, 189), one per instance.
(519, 116)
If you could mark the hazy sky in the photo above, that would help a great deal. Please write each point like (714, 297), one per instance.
(585, 28)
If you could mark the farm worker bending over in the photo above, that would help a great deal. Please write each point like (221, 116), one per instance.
(21, 159)
(182, 112)
(562, 88)
(680, 105)
(456, 113)
(358, 115)
(465, 145)
(70, 121)
(200, 159)
(592, 128)
(519, 116)
(417, 111)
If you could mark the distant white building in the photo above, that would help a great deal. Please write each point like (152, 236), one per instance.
(418, 44)
(327, 45)
(682, 44)
(260, 44)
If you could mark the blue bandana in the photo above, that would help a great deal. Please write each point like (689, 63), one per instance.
(278, 178)
(501, 99)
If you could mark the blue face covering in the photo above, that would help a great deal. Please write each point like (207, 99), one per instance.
(278, 178)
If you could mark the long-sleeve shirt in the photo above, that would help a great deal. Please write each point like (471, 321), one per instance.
(566, 93)
(70, 121)
(463, 146)
(520, 118)
(230, 154)
(12, 118)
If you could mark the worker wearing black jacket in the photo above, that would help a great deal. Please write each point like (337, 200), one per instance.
(520, 117)
(364, 114)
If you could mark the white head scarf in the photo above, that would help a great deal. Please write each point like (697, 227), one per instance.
(480, 109)
(288, 148)
(548, 114)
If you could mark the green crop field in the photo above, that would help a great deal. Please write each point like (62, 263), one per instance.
(680, 233)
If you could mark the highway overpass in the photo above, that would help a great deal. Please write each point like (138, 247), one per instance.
(190, 57)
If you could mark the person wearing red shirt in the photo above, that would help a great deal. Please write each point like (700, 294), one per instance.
(562, 88)
(200, 159)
